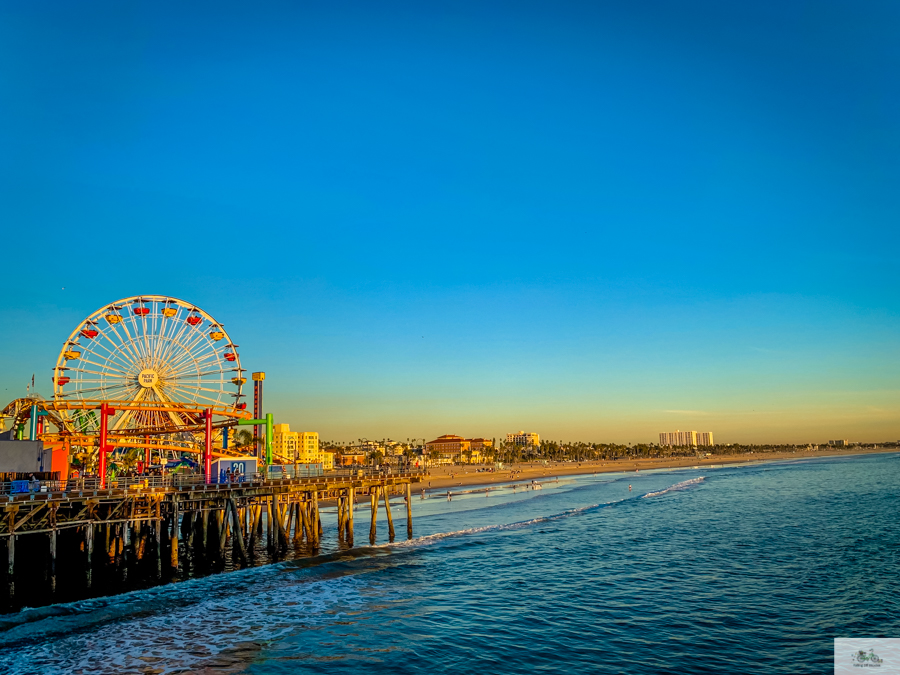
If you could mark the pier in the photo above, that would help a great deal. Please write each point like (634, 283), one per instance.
(81, 530)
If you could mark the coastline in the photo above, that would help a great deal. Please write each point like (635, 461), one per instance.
(465, 476)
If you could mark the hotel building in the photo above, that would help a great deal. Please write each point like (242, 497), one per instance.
(450, 447)
(521, 438)
(686, 438)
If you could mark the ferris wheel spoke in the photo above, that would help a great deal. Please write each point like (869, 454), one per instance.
(116, 357)
(179, 326)
(125, 344)
(122, 373)
(131, 339)
(195, 359)
(159, 330)
(183, 334)
(202, 375)
(138, 344)
(172, 415)
(192, 392)
(112, 377)
(115, 347)
(190, 350)
(199, 388)
(126, 414)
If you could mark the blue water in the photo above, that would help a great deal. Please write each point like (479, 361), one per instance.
(749, 569)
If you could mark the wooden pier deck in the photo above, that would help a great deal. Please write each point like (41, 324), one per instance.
(106, 528)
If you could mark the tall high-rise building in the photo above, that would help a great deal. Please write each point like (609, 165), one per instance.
(686, 438)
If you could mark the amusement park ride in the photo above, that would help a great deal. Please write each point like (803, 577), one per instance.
(148, 373)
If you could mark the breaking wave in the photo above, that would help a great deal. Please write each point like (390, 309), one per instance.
(683, 485)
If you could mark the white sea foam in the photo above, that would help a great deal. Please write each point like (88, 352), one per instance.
(220, 632)
(433, 538)
(683, 485)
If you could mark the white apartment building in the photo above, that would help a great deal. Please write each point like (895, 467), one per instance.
(686, 438)
(521, 438)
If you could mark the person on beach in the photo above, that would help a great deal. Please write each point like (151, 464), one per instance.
(449, 499)
(423, 493)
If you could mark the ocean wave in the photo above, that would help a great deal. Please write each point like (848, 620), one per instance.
(683, 485)
(440, 536)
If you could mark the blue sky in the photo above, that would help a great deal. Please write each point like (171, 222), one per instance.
(595, 221)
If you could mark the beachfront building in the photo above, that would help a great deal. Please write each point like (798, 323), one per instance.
(521, 438)
(447, 448)
(450, 448)
(686, 438)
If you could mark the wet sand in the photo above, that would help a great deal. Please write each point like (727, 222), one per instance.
(444, 477)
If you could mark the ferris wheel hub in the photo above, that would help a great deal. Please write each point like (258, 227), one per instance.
(148, 378)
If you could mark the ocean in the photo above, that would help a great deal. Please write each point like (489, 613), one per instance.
(732, 569)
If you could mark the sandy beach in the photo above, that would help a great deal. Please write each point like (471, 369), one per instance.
(449, 477)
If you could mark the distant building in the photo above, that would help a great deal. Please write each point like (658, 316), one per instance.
(447, 445)
(450, 448)
(686, 438)
(350, 457)
(839, 443)
(480, 443)
(299, 447)
(521, 438)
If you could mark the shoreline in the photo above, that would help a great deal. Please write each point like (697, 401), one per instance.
(450, 477)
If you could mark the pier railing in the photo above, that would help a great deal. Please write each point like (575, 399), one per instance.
(176, 482)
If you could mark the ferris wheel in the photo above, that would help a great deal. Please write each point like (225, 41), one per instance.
(160, 357)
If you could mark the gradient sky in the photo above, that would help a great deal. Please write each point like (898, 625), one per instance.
(593, 220)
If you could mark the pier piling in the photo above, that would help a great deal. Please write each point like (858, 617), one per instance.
(409, 534)
(373, 498)
(390, 517)
(173, 558)
(89, 553)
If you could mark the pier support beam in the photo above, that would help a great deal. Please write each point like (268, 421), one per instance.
(351, 497)
(89, 553)
(157, 535)
(173, 561)
(204, 531)
(387, 509)
(238, 536)
(269, 510)
(316, 520)
(373, 497)
(409, 534)
(11, 565)
(53, 560)
(222, 520)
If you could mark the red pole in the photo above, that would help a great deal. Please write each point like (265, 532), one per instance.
(207, 447)
(257, 410)
(104, 425)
